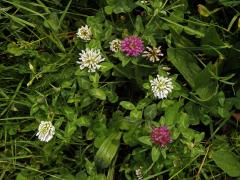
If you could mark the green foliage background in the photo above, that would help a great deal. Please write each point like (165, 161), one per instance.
(103, 119)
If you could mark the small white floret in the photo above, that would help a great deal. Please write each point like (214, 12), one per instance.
(84, 33)
(161, 86)
(153, 54)
(115, 45)
(45, 131)
(90, 59)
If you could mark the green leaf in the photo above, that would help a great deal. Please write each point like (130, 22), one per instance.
(205, 119)
(94, 44)
(185, 63)
(85, 101)
(221, 98)
(155, 153)
(194, 113)
(68, 177)
(234, 19)
(179, 40)
(89, 134)
(83, 121)
(145, 140)
(125, 60)
(84, 83)
(205, 77)
(80, 72)
(175, 134)
(230, 3)
(12, 48)
(143, 103)
(210, 41)
(21, 21)
(90, 167)
(20, 176)
(203, 11)
(70, 129)
(163, 152)
(127, 105)
(112, 96)
(197, 78)
(171, 114)
(69, 113)
(55, 39)
(108, 9)
(223, 112)
(125, 124)
(150, 112)
(139, 25)
(165, 103)
(238, 93)
(98, 93)
(228, 162)
(108, 30)
(95, 79)
(188, 133)
(122, 6)
(106, 66)
(99, 177)
(183, 121)
(52, 22)
(96, 25)
(150, 39)
(66, 84)
(186, 28)
(108, 150)
(146, 85)
(198, 137)
(129, 138)
(136, 115)
(30, 127)
(81, 175)
(238, 23)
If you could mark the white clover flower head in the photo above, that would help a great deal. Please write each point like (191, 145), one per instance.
(90, 58)
(115, 45)
(138, 173)
(45, 131)
(153, 54)
(161, 86)
(84, 33)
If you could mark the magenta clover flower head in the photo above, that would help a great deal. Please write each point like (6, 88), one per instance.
(161, 136)
(132, 46)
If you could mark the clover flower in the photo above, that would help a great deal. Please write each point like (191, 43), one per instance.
(132, 46)
(161, 136)
(45, 131)
(161, 86)
(138, 173)
(90, 59)
(115, 45)
(84, 33)
(153, 54)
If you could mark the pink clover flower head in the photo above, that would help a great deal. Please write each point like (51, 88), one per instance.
(161, 136)
(132, 46)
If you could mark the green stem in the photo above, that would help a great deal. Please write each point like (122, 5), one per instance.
(184, 167)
